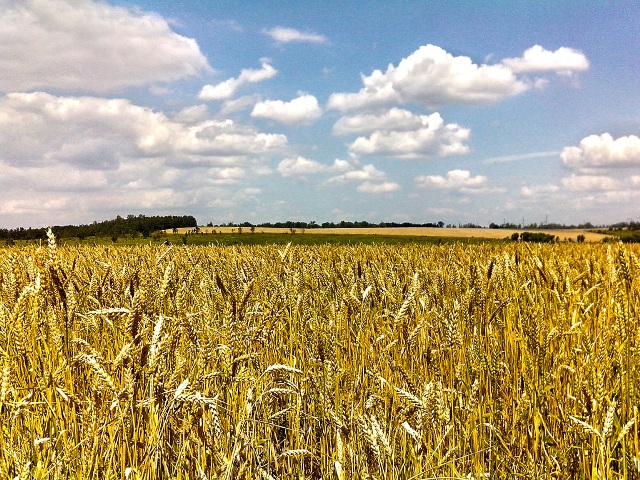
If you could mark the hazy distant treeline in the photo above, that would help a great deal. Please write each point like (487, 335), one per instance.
(342, 224)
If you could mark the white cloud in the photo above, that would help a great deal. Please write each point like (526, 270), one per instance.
(303, 109)
(580, 183)
(385, 187)
(597, 151)
(193, 114)
(227, 89)
(300, 167)
(539, 190)
(370, 179)
(366, 173)
(82, 45)
(455, 180)
(341, 165)
(396, 119)
(432, 139)
(96, 133)
(563, 61)
(433, 77)
(215, 138)
(288, 35)
(347, 172)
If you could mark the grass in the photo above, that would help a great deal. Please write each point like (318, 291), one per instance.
(319, 361)
(318, 239)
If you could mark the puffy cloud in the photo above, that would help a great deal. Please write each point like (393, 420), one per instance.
(227, 89)
(288, 35)
(370, 179)
(433, 77)
(366, 173)
(215, 138)
(394, 119)
(598, 151)
(82, 45)
(455, 180)
(579, 183)
(432, 139)
(384, 187)
(59, 194)
(341, 165)
(94, 133)
(563, 61)
(300, 167)
(193, 114)
(299, 110)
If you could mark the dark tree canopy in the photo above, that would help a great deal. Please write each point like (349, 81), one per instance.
(131, 225)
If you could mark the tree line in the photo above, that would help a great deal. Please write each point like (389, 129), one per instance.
(343, 224)
(118, 227)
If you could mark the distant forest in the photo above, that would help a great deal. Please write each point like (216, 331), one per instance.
(119, 227)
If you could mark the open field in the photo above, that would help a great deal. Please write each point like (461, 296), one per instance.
(490, 233)
(345, 362)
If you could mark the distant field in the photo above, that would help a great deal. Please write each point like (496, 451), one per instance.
(490, 233)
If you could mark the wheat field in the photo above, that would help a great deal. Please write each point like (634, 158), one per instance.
(320, 362)
(569, 234)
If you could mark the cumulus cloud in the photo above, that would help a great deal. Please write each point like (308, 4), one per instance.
(433, 77)
(366, 173)
(433, 138)
(84, 158)
(96, 133)
(82, 45)
(563, 61)
(59, 194)
(288, 35)
(303, 109)
(602, 151)
(369, 178)
(460, 180)
(300, 167)
(375, 188)
(395, 118)
(193, 114)
(227, 89)
(579, 183)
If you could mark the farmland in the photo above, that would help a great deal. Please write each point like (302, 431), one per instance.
(320, 361)
(458, 233)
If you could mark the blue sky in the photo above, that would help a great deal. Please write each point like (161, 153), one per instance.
(468, 111)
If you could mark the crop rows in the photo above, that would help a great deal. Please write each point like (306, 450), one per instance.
(341, 362)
